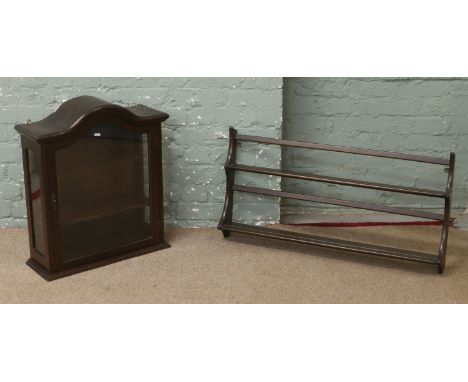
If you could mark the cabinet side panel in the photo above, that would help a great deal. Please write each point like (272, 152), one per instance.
(34, 201)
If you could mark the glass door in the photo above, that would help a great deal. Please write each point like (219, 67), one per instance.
(103, 191)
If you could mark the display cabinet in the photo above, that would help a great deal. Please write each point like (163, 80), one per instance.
(93, 181)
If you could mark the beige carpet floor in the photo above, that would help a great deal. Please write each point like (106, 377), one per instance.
(203, 267)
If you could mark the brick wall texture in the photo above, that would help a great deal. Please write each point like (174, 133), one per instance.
(411, 115)
(195, 137)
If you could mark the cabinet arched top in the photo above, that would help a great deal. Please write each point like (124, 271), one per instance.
(76, 111)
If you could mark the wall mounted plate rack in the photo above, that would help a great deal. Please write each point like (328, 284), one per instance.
(226, 224)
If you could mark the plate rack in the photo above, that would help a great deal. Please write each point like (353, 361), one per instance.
(226, 224)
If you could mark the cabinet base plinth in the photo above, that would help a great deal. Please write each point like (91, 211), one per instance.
(49, 276)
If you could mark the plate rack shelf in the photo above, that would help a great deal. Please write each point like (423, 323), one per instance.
(226, 224)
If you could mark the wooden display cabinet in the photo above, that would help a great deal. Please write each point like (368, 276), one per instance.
(93, 179)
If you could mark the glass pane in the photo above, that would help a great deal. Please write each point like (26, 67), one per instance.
(36, 200)
(103, 191)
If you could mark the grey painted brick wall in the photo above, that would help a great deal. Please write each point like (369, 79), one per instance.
(426, 116)
(195, 136)
(411, 115)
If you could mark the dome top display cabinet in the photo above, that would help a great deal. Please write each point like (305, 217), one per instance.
(93, 180)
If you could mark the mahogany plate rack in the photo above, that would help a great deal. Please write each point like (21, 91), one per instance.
(226, 224)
